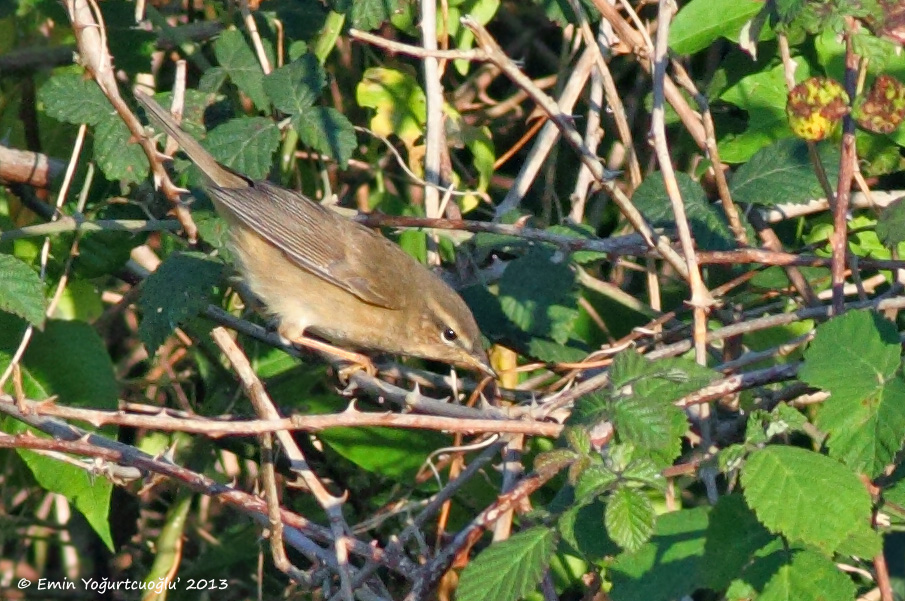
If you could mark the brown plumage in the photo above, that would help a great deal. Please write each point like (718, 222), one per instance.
(320, 273)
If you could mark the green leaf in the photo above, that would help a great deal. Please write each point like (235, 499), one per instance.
(648, 423)
(701, 22)
(763, 95)
(301, 20)
(593, 482)
(326, 130)
(591, 408)
(891, 224)
(482, 11)
(370, 14)
(130, 46)
(295, 87)
(783, 173)
(213, 230)
(510, 569)
(553, 352)
(667, 380)
(80, 300)
(579, 230)
(766, 563)
(392, 452)
(536, 294)
(180, 288)
(810, 576)
(668, 566)
(68, 360)
(708, 225)
(398, 100)
(629, 518)
(865, 414)
(239, 62)
(562, 13)
(246, 144)
(104, 252)
(582, 527)
(88, 493)
(116, 152)
(733, 537)
(71, 98)
(787, 488)
(479, 141)
(21, 290)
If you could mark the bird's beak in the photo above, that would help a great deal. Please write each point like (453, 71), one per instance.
(481, 363)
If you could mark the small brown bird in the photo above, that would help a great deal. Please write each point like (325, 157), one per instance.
(322, 274)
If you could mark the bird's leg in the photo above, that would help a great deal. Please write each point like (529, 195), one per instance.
(357, 360)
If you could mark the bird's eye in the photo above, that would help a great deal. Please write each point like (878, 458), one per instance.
(449, 335)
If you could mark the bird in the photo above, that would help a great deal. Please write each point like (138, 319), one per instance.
(319, 273)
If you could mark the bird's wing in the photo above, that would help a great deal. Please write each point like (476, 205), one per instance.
(316, 239)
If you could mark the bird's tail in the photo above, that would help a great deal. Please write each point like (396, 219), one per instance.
(218, 174)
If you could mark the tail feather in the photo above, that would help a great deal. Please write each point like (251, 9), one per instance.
(218, 174)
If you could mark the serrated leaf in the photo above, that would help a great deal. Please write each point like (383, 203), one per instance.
(891, 224)
(293, 88)
(787, 488)
(590, 409)
(578, 439)
(644, 471)
(326, 130)
(865, 434)
(810, 576)
(594, 481)
(646, 423)
(116, 153)
(536, 294)
(510, 569)
(238, 61)
(786, 419)
(180, 288)
(629, 518)
(783, 173)
(708, 224)
(865, 414)
(668, 566)
(71, 98)
(370, 14)
(21, 290)
(582, 527)
(733, 537)
(665, 380)
(246, 144)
